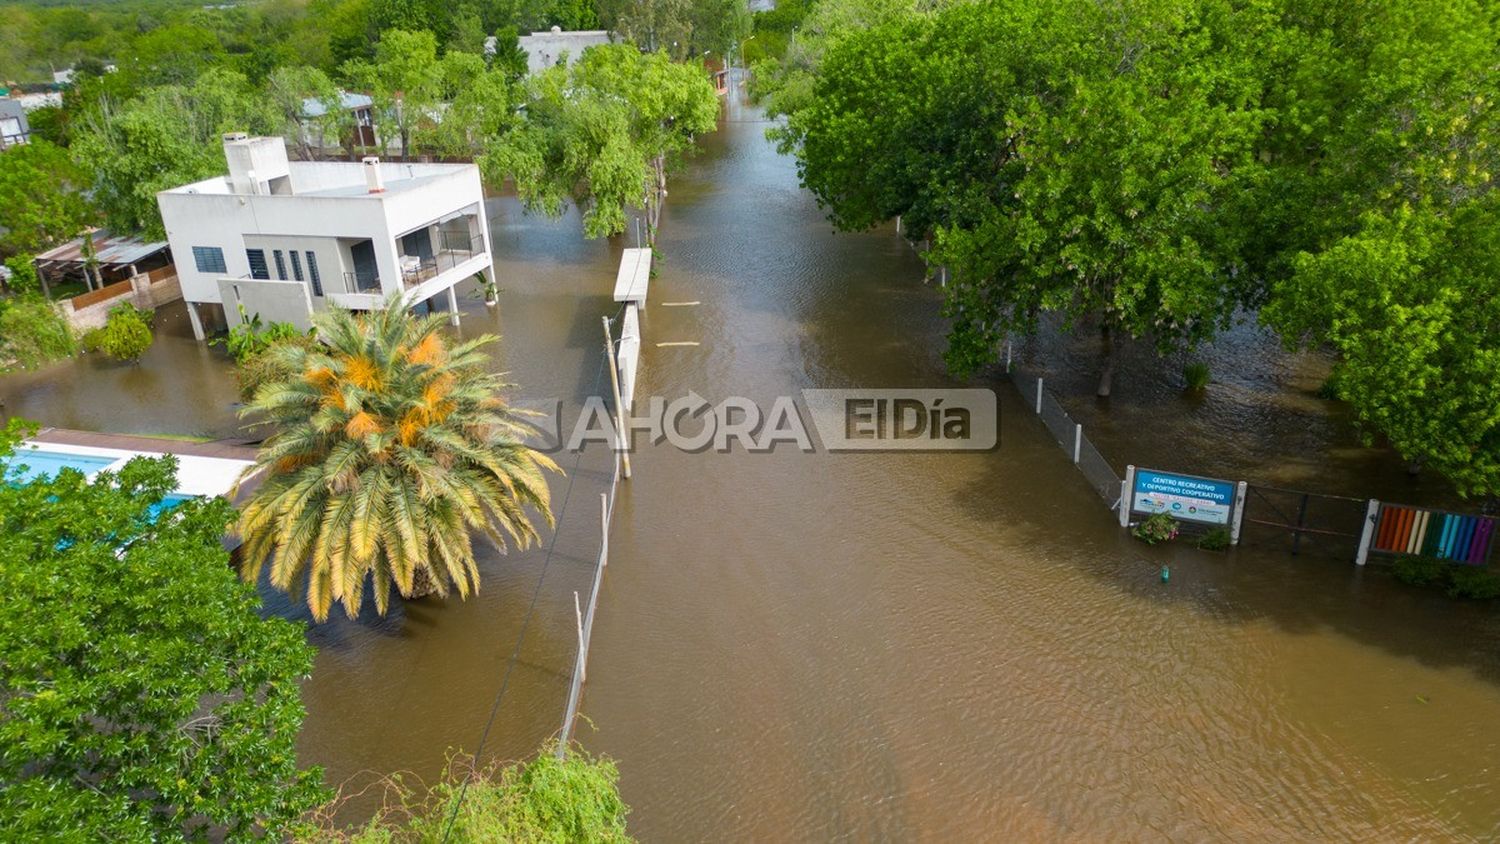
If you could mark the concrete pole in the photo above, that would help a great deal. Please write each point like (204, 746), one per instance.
(453, 305)
(1077, 442)
(1038, 396)
(1126, 487)
(583, 667)
(197, 321)
(614, 380)
(1367, 536)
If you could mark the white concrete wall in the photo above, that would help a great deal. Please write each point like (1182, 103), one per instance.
(333, 259)
(274, 301)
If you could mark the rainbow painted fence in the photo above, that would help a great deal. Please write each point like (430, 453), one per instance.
(1434, 533)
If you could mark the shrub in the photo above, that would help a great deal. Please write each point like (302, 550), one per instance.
(23, 278)
(1157, 527)
(1475, 582)
(1420, 571)
(1197, 376)
(32, 333)
(1217, 539)
(1455, 579)
(126, 334)
(545, 799)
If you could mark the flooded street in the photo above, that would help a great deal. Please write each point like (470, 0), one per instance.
(908, 646)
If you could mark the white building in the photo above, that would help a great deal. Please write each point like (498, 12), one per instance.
(283, 239)
(546, 49)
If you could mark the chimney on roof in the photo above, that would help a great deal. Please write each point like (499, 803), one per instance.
(373, 178)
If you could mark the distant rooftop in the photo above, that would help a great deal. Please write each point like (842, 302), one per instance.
(348, 100)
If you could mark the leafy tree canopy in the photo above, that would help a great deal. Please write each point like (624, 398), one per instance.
(42, 201)
(144, 695)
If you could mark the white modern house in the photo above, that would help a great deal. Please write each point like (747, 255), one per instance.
(283, 239)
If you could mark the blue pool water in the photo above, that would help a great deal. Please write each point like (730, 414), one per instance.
(39, 463)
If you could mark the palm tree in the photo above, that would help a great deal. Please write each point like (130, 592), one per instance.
(390, 447)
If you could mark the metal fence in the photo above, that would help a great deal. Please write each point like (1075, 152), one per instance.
(1069, 436)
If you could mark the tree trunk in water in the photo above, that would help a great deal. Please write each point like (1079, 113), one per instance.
(1107, 350)
(421, 584)
(1414, 466)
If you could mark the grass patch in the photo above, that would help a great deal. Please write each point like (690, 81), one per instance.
(1457, 580)
(1197, 376)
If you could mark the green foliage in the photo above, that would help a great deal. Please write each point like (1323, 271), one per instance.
(42, 202)
(542, 800)
(684, 29)
(389, 446)
(1197, 376)
(32, 333)
(145, 696)
(603, 133)
(1455, 579)
(167, 137)
(1157, 527)
(126, 334)
(23, 278)
(1411, 306)
(1216, 539)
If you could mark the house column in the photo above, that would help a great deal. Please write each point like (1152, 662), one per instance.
(192, 309)
(453, 305)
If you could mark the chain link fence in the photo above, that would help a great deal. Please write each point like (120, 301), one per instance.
(1069, 436)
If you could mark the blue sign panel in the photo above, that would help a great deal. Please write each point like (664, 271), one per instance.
(1184, 497)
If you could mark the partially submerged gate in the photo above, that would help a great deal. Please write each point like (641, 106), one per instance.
(1303, 522)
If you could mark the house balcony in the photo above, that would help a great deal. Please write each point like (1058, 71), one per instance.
(416, 269)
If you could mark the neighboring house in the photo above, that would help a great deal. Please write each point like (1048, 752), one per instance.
(44, 99)
(545, 49)
(358, 130)
(283, 239)
(65, 77)
(14, 130)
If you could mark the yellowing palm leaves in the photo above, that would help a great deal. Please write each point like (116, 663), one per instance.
(391, 446)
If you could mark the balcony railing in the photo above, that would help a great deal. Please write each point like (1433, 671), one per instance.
(362, 281)
(456, 250)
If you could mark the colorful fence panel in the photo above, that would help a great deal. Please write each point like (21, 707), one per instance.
(1433, 533)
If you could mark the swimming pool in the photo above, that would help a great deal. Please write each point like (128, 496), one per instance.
(30, 464)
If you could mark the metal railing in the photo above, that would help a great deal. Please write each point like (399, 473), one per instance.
(416, 269)
(362, 281)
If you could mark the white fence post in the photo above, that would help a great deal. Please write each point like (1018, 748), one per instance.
(1039, 395)
(1372, 513)
(1007, 354)
(583, 647)
(1239, 512)
(1077, 442)
(1125, 488)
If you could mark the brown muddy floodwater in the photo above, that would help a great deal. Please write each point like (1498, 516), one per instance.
(805, 647)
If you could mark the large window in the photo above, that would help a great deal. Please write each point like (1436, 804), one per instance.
(280, 264)
(258, 268)
(312, 273)
(210, 259)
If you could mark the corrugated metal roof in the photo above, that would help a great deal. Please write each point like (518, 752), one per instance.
(314, 107)
(110, 249)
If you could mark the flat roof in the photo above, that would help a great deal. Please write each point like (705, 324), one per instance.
(205, 476)
(336, 179)
(634, 276)
(111, 250)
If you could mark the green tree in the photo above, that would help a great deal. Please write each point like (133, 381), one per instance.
(1411, 307)
(604, 134)
(42, 202)
(389, 446)
(1076, 161)
(403, 80)
(169, 136)
(145, 696)
(289, 88)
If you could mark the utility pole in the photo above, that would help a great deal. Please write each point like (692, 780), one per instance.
(622, 441)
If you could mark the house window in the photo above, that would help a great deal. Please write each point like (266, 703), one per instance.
(258, 268)
(280, 264)
(296, 265)
(312, 274)
(210, 259)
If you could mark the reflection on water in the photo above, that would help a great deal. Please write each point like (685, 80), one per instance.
(902, 646)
